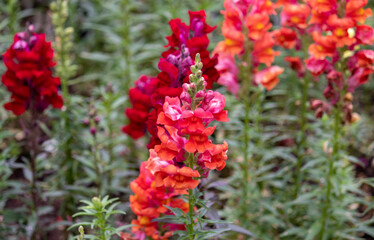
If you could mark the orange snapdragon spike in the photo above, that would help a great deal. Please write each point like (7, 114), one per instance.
(355, 9)
(324, 46)
(339, 28)
(258, 24)
(178, 178)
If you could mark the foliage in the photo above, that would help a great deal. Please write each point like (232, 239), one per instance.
(100, 210)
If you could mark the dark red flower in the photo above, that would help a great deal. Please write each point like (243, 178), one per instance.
(141, 101)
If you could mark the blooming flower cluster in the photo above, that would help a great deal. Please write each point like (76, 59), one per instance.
(149, 94)
(246, 23)
(185, 154)
(29, 74)
(148, 203)
(338, 31)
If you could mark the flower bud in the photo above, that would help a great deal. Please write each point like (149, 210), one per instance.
(93, 130)
(97, 119)
(86, 121)
(348, 97)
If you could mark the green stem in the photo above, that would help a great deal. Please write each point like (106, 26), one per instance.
(110, 144)
(101, 225)
(126, 43)
(64, 75)
(246, 72)
(97, 164)
(303, 135)
(191, 204)
(334, 157)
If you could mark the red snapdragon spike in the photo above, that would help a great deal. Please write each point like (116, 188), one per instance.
(29, 62)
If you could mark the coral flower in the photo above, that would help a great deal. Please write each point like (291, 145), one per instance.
(295, 15)
(321, 10)
(178, 178)
(215, 158)
(171, 142)
(355, 9)
(339, 28)
(282, 3)
(286, 37)
(362, 59)
(263, 50)
(268, 77)
(323, 5)
(325, 46)
(262, 6)
(233, 43)
(199, 141)
(258, 24)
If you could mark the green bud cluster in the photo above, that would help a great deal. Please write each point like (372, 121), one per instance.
(197, 79)
(81, 231)
(64, 39)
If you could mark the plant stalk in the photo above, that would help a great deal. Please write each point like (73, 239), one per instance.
(303, 135)
(334, 157)
(246, 72)
(97, 164)
(191, 204)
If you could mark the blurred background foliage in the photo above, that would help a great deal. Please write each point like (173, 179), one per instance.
(114, 42)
